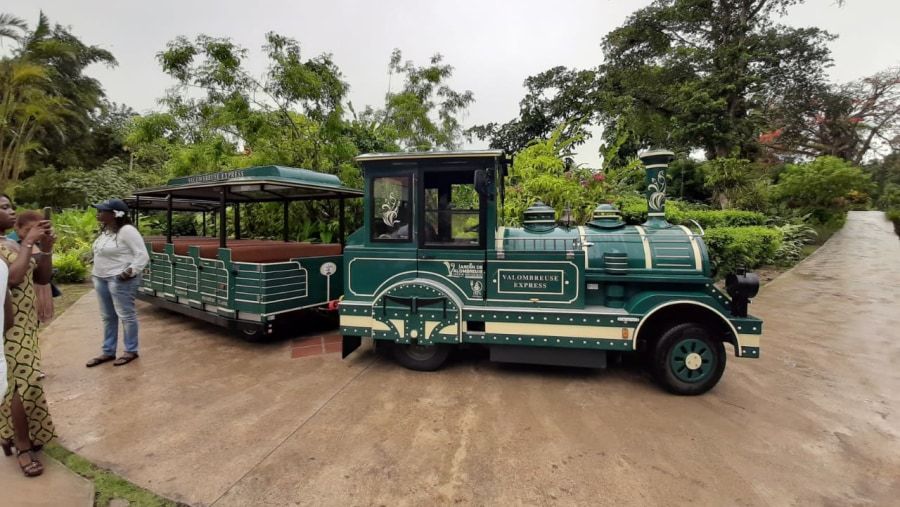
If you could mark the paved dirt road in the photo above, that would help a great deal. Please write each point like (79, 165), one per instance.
(211, 421)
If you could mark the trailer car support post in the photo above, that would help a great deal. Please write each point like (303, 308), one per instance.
(285, 208)
(169, 218)
(204, 223)
(341, 221)
(223, 217)
(237, 220)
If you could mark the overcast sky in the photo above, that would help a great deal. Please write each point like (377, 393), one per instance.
(493, 44)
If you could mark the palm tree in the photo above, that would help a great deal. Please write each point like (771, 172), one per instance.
(11, 27)
(45, 98)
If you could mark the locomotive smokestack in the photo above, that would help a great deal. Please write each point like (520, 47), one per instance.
(656, 162)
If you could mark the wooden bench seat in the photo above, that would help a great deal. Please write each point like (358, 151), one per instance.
(212, 246)
(182, 244)
(282, 252)
(250, 250)
(158, 243)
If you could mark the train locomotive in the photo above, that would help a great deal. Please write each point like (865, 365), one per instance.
(432, 269)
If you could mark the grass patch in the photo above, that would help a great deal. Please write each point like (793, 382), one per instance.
(107, 485)
(823, 233)
(71, 292)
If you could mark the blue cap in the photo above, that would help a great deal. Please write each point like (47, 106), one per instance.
(111, 205)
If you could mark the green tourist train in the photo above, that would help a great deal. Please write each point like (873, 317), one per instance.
(433, 269)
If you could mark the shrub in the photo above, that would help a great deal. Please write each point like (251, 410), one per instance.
(634, 209)
(741, 247)
(890, 197)
(793, 238)
(76, 228)
(69, 268)
(894, 216)
(826, 187)
(725, 218)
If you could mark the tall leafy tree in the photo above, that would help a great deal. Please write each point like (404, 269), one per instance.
(850, 121)
(237, 111)
(700, 74)
(557, 96)
(424, 113)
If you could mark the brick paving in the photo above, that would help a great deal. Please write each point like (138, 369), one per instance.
(315, 345)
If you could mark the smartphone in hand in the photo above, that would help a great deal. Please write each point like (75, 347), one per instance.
(48, 211)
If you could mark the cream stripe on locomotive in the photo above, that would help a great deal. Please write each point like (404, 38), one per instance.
(749, 340)
(452, 330)
(694, 245)
(648, 258)
(361, 321)
(582, 234)
(358, 321)
(520, 329)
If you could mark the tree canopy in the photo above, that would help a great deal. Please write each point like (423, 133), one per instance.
(730, 79)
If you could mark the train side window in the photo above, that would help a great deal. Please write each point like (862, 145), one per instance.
(390, 209)
(451, 211)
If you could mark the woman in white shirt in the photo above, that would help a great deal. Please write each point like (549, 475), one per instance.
(119, 258)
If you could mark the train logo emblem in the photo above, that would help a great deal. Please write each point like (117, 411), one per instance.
(476, 287)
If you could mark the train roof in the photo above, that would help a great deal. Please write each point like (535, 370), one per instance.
(253, 184)
(418, 155)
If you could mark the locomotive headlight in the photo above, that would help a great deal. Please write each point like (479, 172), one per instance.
(741, 286)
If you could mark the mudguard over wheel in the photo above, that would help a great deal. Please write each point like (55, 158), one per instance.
(421, 357)
(687, 360)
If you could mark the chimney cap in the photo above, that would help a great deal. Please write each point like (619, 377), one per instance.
(656, 153)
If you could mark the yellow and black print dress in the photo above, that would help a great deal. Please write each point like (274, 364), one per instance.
(23, 359)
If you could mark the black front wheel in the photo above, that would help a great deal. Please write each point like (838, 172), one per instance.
(421, 357)
(687, 360)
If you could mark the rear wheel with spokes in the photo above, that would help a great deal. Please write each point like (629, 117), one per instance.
(687, 359)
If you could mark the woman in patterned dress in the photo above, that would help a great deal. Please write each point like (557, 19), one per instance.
(24, 417)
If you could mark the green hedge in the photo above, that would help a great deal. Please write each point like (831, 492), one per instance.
(634, 211)
(725, 218)
(749, 247)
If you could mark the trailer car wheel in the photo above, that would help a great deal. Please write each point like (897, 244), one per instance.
(421, 357)
(252, 334)
(687, 360)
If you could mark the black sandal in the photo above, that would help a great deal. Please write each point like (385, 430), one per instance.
(33, 468)
(125, 359)
(99, 360)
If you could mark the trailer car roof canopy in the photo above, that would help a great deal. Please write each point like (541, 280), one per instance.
(255, 184)
(144, 202)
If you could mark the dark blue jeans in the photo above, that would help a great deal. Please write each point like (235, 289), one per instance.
(116, 298)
